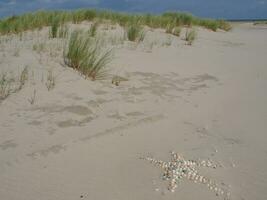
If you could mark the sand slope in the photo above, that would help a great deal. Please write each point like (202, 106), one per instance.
(83, 139)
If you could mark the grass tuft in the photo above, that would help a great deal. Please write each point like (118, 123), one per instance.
(63, 31)
(53, 33)
(93, 29)
(50, 80)
(5, 86)
(135, 33)
(83, 54)
(224, 25)
(23, 77)
(190, 36)
(37, 20)
(177, 31)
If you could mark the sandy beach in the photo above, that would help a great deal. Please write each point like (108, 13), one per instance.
(84, 139)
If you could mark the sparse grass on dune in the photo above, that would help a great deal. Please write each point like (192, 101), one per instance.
(63, 31)
(93, 29)
(54, 28)
(38, 47)
(23, 77)
(190, 36)
(135, 33)
(50, 80)
(37, 20)
(260, 23)
(5, 86)
(169, 28)
(224, 25)
(176, 31)
(83, 54)
(9, 85)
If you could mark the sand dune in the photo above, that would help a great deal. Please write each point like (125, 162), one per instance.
(83, 139)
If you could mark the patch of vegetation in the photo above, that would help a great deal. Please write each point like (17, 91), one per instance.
(38, 47)
(190, 36)
(53, 33)
(169, 28)
(225, 25)
(260, 23)
(50, 80)
(63, 31)
(9, 85)
(23, 77)
(135, 33)
(32, 98)
(93, 29)
(84, 54)
(5, 86)
(176, 31)
(37, 20)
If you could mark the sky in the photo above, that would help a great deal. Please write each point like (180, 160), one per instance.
(226, 9)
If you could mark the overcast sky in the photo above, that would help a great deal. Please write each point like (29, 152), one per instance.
(229, 9)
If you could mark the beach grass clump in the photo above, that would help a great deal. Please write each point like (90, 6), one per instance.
(63, 31)
(93, 29)
(177, 31)
(90, 15)
(50, 80)
(169, 28)
(190, 36)
(260, 23)
(135, 32)
(23, 77)
(84, 54)
(82, 15)
(5, 86)
(53, 33)
(39, 47)
(183, 19)
(39, 19)
(207, 23)
(224, 25)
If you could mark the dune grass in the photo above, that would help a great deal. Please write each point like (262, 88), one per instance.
(169, 28)
(93, 29)
(50, 80)
(53, 33)
(260, 23)
(190, 36)
(23, 77)
(5, 86)
(177, 31)
(9, 85)
(135, 32)
(83, 53)
(39, 19)
(63, 31)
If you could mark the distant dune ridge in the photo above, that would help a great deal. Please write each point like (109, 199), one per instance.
(30, 21)
(227, 9)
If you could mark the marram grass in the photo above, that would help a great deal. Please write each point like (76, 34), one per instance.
(135, 33)
(84, 54)
(190, 36)
(93, 29)
(39, 19)
(176, 31)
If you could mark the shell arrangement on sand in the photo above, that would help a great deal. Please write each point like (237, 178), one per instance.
(179, 168)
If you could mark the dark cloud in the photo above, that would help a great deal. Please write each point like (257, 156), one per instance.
(204, 8)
